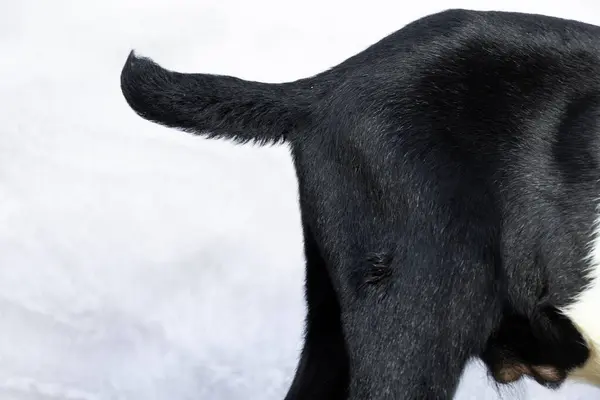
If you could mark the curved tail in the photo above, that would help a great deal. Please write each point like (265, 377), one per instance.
(215, 106)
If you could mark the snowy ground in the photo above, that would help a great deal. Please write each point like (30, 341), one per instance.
(139, 263)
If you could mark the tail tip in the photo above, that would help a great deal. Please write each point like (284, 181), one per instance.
(129, 67)
(135, 78)
(135, 63)
(131, 58)
(128, 75)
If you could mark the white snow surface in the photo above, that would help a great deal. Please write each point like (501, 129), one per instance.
(141, 263)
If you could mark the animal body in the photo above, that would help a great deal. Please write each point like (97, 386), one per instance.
(449, 181)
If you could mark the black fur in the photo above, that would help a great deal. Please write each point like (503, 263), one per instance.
(448, 178)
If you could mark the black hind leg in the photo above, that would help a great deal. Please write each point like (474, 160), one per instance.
(322, 372)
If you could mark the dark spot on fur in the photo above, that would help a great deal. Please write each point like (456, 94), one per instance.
(379, 268)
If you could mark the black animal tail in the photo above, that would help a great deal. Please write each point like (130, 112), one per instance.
(216, 106)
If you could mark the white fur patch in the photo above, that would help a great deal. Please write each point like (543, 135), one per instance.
(585, 315)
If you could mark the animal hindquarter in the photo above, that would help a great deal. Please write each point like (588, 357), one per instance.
(449, 186)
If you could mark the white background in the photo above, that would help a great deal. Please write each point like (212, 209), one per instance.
(141, 263)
